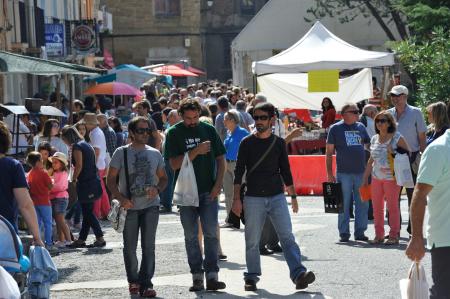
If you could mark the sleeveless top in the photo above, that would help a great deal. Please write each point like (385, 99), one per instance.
(89, 168)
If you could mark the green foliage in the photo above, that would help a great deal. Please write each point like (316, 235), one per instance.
(429, 60)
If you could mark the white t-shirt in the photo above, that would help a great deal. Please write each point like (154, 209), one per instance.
(98, 141)
(379, 153)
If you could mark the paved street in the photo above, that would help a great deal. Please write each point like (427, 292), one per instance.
(353, 270)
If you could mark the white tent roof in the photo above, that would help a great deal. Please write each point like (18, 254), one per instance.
(319, 49)
(291, 90)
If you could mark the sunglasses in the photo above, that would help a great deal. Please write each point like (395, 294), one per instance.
(381, 121)
(356, 112)
(143, 130)
(55, 125)
(260, 117)
(396, 95)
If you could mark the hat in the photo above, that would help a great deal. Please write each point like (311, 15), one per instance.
(90, 119)
(398, 90)
(59, 156)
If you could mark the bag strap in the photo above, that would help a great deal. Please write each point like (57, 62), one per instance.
(127, 177)
(263, 156)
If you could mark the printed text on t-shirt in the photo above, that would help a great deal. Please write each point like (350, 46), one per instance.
(192, 142)
(352, 138)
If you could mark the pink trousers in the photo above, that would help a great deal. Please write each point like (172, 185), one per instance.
(102, 206)
(389, 190)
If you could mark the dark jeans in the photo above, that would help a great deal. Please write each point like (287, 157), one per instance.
(167, 194)
(89, 221)
(146, 221)
(269, 235)
(75, 212)
(440, 270)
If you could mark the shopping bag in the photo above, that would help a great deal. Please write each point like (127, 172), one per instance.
(415, 286)
(8, 286)
(402, 170)
(332, 197)
(117, 215)
(185, 192)
(365, 192)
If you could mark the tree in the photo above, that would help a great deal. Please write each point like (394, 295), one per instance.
(429, 61)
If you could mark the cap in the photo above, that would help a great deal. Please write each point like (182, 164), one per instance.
(398, 90)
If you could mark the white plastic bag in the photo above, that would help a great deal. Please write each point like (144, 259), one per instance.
(185, 192)
(8, 286)
(415, 286)
(402, 170)
(117, 215)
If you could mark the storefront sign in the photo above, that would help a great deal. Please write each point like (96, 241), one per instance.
(83, 37)
(54, 39)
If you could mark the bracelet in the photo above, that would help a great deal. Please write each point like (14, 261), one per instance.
(293, 196)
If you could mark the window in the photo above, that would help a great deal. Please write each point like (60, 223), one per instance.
(166, 8)
(247, 7)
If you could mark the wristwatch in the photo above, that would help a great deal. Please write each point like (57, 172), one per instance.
(293, 196)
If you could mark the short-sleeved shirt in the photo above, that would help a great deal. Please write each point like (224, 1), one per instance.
(349, 141)
(232, 142)
(142, 168)
(220, 126)
(434, 170)
(410, 124)
(97, 140)
(12, 176)
(39, 181)
(181, 139)
(379, 153)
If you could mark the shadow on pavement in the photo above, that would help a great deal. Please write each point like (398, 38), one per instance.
(91, 251)
(64, 273)
(231, 266)
(401, 246)
(261, 293)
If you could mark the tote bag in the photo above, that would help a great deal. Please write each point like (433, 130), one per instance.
(402, 170)
(185, 192)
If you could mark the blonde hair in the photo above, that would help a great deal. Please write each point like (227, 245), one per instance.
(207, 120)
(439, 114)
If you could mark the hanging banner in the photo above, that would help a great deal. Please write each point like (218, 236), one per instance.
(54, 40)
(323, 81)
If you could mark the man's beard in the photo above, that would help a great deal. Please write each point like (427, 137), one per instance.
(261, 129)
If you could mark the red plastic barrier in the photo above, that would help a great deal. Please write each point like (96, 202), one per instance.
(309, 172)
(302, 114)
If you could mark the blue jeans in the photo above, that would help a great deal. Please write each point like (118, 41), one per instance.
(350, 183)
(44, 219)
(208, 213)
(145, 220)
(257, 208)
(167, 194)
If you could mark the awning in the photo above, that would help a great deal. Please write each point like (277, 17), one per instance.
(44, 110)
(11, 63)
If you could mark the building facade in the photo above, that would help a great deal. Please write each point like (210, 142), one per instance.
(198, 32)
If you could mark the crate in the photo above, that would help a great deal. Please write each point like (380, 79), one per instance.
(332, 197)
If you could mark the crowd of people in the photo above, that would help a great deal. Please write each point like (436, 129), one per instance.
(236, 141)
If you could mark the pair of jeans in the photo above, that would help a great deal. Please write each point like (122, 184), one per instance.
(207, 210)
(258, 208)
(145, 220)
(350, 183)
(75, 212)
(440, 272)
(228, 185)
(381, 190)
(89, 221)
(44, 218)
(167, 194)
(269, 235)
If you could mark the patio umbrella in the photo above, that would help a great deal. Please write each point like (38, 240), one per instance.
(114, 88)
(174, 71)
(191, 69)
(125, 73)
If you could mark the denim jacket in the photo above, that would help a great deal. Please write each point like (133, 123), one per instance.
(43, 272)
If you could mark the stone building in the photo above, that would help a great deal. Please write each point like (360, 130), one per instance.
(160, 31)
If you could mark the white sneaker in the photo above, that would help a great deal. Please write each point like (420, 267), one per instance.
(60, 244)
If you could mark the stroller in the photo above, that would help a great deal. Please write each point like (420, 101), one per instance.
(11, 254)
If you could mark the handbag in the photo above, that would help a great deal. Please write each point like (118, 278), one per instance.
(333, 198)
(243, 188)
(416, 285)
(185, 192)
(117, 215)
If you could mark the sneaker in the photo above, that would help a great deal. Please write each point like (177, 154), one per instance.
(344, 239)
(265, 251)
(376, 241)
(214, 285)
(304, 280)
(197, 286)
(277, 248)
(362, 238)
(391, 241)
(60, 244)
(222, 257)
(148, 293)
(250, 285)
(133, 288)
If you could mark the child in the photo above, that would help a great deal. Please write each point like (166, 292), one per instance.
(46, 150)
(40, 185)
(59, 197)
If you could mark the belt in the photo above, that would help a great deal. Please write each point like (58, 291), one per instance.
(231, 160)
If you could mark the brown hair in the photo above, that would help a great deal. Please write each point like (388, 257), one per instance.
(392, 124)
(189, 104)
(33, 158)
(438, 111)
(5, 138)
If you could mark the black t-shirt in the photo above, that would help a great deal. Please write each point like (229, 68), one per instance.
(268, 177)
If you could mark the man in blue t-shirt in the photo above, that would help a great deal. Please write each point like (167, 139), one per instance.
(348, 138)
(14, 194)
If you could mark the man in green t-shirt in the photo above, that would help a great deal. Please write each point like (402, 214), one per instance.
(206, 152)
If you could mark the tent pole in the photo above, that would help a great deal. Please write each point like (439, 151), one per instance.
(384, 86)
(255, 83)
(70, 116)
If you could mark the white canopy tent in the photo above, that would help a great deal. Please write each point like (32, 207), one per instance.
(319, 49)
(291, 90)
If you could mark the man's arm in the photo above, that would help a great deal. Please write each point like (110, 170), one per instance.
(220, 162)
(78, 157)
(329, 161)
(201, 149)
(416, 248)
(111, 182)
(422, 141)
(297, 132)
(28, 212)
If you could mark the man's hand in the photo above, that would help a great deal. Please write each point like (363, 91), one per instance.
(215, 191)
(204, 148)
(237, 206)
(416, 249)
(126, 204)
(331, 178)
(152, 192)
(297, 132)
(38, 242)
(294, 204)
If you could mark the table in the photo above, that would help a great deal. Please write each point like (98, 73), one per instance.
(297, 147)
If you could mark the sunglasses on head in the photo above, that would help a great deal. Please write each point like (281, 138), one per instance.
(143, 130)
(55, 125)
(381, 121)
(356, 112)
(260, 117)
